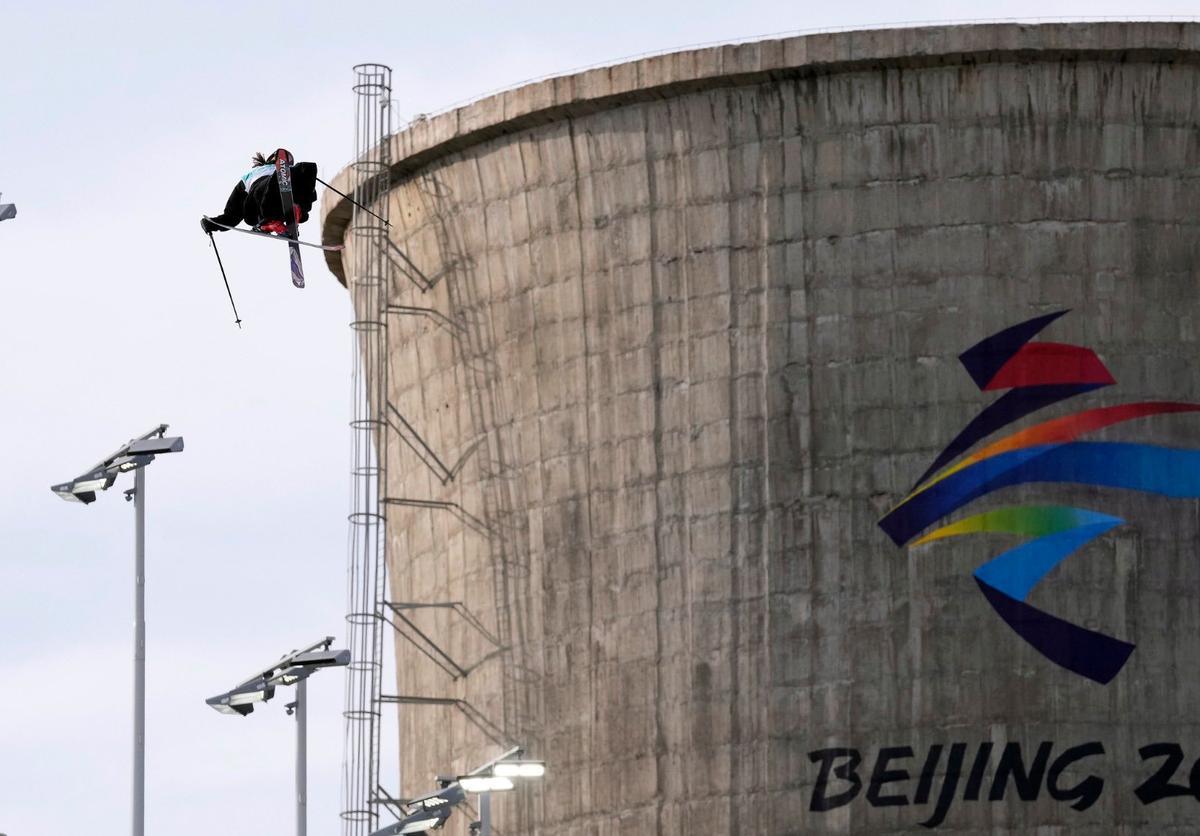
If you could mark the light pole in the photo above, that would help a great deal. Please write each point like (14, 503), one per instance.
(300, 709)
(134, 455)
(293, 669)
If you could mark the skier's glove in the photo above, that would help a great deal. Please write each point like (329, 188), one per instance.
(208, 226)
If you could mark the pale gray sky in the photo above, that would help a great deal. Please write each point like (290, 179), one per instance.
(120, 124)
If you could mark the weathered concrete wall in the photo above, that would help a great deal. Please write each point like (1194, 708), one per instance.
(700, 332)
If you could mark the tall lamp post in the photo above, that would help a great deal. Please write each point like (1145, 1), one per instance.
(293, 669)
(133, 455)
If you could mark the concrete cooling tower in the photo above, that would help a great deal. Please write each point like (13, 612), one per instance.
(802, 436)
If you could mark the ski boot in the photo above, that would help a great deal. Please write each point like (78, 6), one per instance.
(271, 227)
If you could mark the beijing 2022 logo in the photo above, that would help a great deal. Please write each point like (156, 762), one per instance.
(1036, 375)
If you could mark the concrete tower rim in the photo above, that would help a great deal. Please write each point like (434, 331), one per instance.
(738, 64)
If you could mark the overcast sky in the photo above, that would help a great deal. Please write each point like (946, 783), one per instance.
(120, 124)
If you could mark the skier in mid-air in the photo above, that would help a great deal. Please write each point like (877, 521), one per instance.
(256, 199)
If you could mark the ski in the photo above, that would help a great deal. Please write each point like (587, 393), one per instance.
(283, 168)
(326, 247)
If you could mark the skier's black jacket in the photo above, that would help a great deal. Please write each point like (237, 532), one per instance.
(261, 201)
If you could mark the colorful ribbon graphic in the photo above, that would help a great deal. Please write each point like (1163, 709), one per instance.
(1037, 375)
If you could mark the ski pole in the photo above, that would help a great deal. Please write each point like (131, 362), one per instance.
(237, 320)
(352, 200)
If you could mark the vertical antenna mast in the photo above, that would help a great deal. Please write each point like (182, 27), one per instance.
(367, 560)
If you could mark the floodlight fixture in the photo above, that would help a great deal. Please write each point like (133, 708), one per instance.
(485, 783)
(519, 769)
(292, 669)
(8, 211)
(149, 445)
(447, 796)
(430, 811)
(312, 660)
(133, 456)
(242, 699)
(496, 776)
(426, 812)
(83, 488)
(424, 820)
